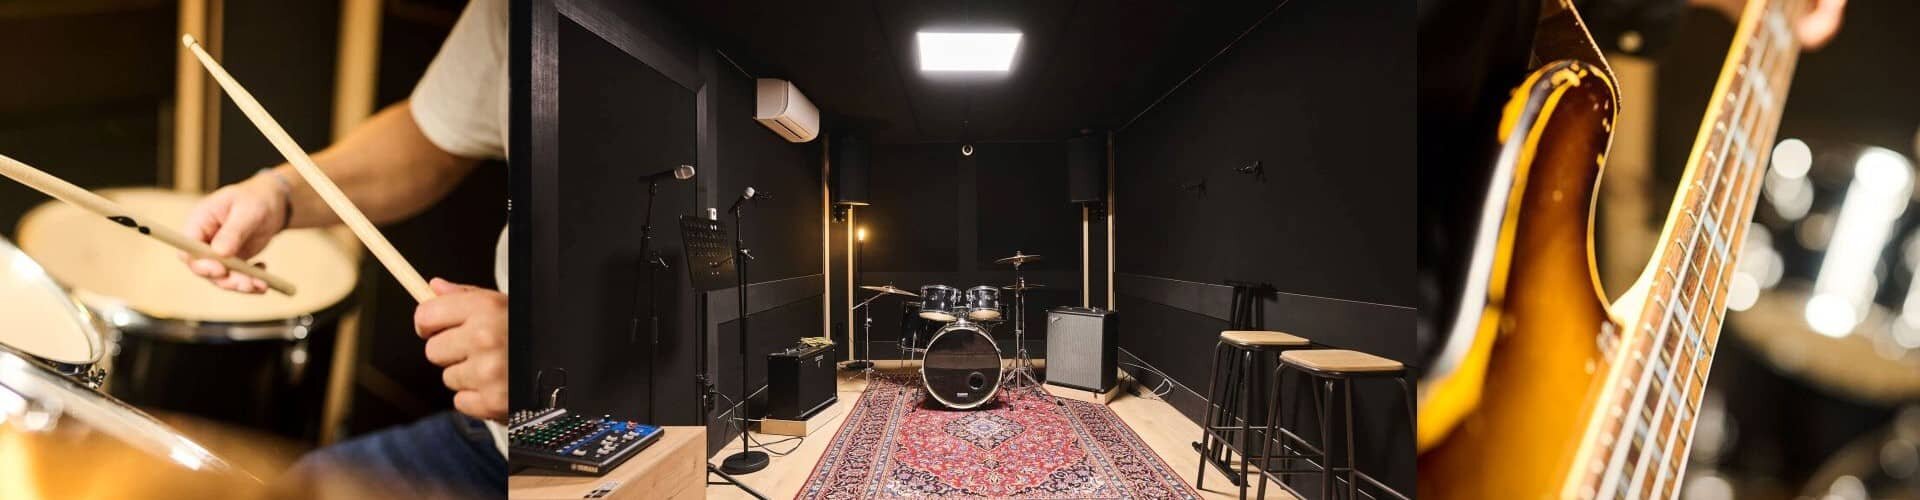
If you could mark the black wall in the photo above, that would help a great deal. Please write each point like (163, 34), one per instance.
(93, 109)
(1318, 95)
(940, 217)
(618, 92)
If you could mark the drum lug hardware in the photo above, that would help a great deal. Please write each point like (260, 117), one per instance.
(94, 377)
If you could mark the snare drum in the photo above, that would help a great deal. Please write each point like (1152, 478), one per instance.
(186, 345)
(983, 303)
(39, 319)
(61, 439)
(941, 303)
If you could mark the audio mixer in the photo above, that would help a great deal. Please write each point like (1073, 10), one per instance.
(552, 438)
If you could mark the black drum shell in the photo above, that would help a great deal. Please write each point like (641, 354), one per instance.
(275, 383)
(941, 303)
(983, 303)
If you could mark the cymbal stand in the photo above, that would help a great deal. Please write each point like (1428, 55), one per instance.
(1021, 376)
(866, 309)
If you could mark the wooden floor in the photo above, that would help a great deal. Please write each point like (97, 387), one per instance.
(1164, 429)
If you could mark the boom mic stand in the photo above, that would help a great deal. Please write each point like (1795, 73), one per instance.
(747, 460)
(652, 261)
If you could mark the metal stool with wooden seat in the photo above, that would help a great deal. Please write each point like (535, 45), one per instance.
(1334, 370)
(1232, 399)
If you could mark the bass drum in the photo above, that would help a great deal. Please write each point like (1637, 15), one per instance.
(184, 345)
(962, 366)
(60, 439)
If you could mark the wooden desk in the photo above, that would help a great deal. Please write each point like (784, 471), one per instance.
(675, 467)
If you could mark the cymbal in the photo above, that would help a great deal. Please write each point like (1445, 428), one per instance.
(1023, 286)
(1018, 258)
(888, 289)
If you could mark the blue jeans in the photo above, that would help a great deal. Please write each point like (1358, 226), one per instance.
(447, 455)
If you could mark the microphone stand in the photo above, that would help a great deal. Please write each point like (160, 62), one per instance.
(653, 261)
(747, 460)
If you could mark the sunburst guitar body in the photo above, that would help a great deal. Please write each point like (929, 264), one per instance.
(1543, 387)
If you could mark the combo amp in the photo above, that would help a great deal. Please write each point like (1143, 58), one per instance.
(1082, 346)
(800, 382)
(552, 438)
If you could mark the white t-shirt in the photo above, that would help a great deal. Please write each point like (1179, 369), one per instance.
(461, 105)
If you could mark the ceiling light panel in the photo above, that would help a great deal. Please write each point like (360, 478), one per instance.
(967, 51)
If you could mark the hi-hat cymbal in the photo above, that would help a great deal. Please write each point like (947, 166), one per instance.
(1023, 286)
(888, 289)
(1018, 258)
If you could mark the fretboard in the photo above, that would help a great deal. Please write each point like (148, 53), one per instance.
(1659, 373)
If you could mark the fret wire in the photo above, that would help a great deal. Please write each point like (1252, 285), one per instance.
(1697, 200)
(1723, 232)
(1706, 206)
(1748, 180)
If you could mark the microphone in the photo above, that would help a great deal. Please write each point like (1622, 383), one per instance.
(749, 195)
(682, 173)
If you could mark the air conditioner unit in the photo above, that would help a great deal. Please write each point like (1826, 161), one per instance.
(783, 109)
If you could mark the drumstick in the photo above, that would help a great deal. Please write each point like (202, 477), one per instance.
(330, 193)
(87, 200)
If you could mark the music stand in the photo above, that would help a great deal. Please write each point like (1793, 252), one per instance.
(711, 266)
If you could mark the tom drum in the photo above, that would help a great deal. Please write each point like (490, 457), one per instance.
(941, 303)
(185, 345)
(983, 303)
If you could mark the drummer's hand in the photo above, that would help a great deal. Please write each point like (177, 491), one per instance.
(237, 221)
(466, 332)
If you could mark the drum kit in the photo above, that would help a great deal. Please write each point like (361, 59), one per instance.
(961, 365)
(99, 327)
(101, 322)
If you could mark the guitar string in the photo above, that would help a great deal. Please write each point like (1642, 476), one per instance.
(1774, 69)
(1756, 56)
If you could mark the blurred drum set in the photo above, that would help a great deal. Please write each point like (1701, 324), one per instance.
(106, 338)
(1814, 397)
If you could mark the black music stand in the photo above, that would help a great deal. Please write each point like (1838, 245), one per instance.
(711, 266)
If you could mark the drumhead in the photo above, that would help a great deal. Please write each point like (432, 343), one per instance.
(962, 366)
(111, 268)
(38, 318)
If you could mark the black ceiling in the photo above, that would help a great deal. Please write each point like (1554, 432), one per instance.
(1081, 64)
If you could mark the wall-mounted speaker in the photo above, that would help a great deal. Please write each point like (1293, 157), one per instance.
(1087, 168)
(849, 158)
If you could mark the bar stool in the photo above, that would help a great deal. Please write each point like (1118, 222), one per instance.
(1335, 370)
(1230, 399)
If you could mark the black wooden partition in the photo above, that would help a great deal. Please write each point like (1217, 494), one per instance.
(616, 92)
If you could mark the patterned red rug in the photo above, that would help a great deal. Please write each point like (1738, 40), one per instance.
(894, 445)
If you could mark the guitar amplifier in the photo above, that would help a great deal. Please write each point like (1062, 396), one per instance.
(1082, 348)
(800, 382)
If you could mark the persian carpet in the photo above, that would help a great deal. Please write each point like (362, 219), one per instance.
(895, 444)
